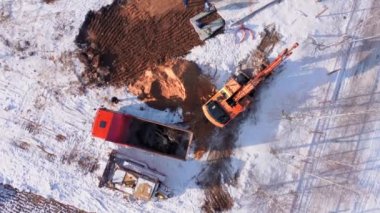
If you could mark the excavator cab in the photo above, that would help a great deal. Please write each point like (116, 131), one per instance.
(216, 113)
(241, 78)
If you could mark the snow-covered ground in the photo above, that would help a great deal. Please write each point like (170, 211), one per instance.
(311, 144)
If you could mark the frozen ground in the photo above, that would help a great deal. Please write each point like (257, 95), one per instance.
(311, 144)
(12, 200)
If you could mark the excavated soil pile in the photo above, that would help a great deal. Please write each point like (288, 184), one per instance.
(125, 38)
(178, 83)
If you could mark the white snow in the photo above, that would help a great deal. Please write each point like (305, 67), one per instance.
(290, 146)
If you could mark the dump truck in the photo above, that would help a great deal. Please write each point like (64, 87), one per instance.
(234, 97)
(133, 178)
(128, 130)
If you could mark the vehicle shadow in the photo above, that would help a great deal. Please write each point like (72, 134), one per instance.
(254, 13)
(281, 98)
(7, 193)
(237, 5)
(279, 107)
(191, 173)
(141, 110)
(181, 175)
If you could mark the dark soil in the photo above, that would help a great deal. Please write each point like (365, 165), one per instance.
(13, 200)
(218, 171)
(123, 39)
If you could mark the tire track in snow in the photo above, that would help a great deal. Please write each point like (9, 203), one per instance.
(369, 31)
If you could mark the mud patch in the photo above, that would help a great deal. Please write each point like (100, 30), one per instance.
(88, 164)
(60, 138)
(218, 172)
(32, 127)
(217, 199)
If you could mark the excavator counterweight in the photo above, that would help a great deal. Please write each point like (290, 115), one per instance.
(233, 98)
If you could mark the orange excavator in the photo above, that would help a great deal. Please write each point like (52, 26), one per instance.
(233, 98)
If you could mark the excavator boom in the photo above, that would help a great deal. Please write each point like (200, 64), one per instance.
(251, 85)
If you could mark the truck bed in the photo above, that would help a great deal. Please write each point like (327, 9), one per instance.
(141, 133)
(158, 138)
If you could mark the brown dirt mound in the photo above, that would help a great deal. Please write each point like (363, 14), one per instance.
(178, 83)
(123, 39)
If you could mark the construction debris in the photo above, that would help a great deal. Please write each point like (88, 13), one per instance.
(244, 30)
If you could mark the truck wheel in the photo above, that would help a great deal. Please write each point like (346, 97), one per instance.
(160, 196)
